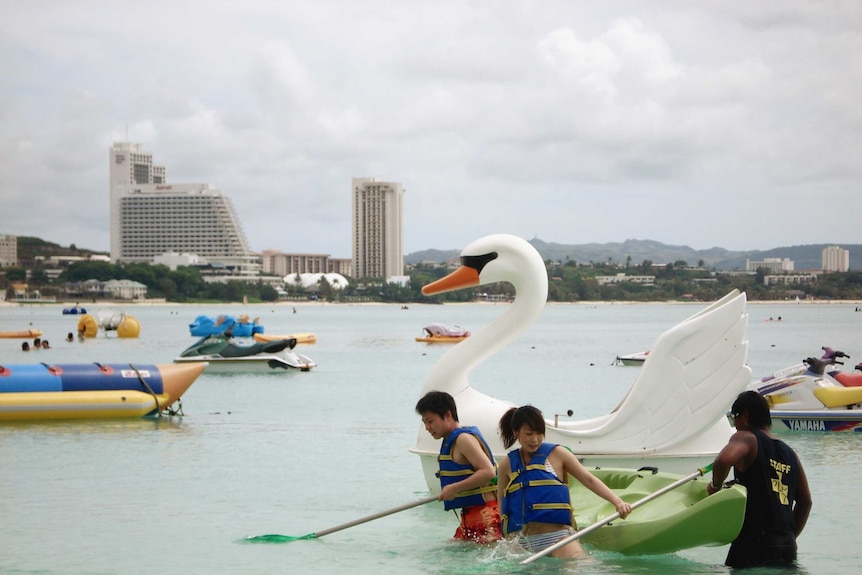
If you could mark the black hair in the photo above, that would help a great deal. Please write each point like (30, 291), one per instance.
(438, 402)
(517, 417)
(754, 404)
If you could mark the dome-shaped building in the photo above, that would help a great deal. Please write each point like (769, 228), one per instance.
(311, 281)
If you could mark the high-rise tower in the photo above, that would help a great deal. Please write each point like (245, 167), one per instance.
(835, 259)
(150, 217)
(377, 229)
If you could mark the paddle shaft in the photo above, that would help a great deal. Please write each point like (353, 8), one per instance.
(609, 518)
(377, 515)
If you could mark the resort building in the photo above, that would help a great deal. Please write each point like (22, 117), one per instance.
(8, 251)
(118, 289)
(835, 259)
(276, 262)
(377, 229)
(789, 279)
(773, 265)
(623, 278)
(150, 216)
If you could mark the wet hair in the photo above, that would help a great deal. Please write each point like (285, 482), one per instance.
(516, 418)
(438, 402)
(754, 404)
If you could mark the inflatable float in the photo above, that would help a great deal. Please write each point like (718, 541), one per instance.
(91, 390)
(299, 337)
(88, 326)
(204, 326)
(74, 310)
(22, 334)
(126, 326)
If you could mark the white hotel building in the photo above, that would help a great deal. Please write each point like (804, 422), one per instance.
(151, 217)
(378, 250)
(835, 259)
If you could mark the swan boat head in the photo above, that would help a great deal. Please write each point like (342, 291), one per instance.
(672, 416)
(487, 260)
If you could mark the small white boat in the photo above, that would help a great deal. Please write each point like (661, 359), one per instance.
(223, 354)
(439, 333)
(636, 359)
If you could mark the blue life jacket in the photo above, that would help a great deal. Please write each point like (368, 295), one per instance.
(534, 494)
(453, 472)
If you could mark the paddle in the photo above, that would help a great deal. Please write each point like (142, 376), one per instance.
(274, 538)
(575, 536)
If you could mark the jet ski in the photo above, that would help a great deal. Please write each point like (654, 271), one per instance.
(224, 354)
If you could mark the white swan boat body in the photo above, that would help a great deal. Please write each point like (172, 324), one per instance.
(673, 416)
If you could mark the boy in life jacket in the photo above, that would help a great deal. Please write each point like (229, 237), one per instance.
(468, 474)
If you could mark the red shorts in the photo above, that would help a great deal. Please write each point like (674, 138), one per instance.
(480, 523)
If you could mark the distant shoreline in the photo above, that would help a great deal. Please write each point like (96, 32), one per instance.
(154, 303)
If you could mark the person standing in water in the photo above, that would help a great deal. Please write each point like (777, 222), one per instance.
(779, 499)
(533, 486)
(467, 472)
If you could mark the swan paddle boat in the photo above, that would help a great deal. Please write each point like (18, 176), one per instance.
(224, 355)
(681, 518)
(91, 390)
(812, 396)
(439, 333)
(673, 416)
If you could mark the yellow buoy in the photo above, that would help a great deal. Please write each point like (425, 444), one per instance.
(128, 327)
(88, 325)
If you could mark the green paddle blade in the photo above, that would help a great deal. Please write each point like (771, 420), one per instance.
(275, 538)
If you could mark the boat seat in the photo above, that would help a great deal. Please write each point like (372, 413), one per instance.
(849, 379)
(835, 396)
(255, 348)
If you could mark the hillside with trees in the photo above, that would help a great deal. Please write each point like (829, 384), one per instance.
(570, 280)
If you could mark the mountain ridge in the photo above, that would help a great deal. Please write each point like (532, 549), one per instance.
(805, 257)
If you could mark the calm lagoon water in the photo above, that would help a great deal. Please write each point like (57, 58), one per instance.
(295, 453)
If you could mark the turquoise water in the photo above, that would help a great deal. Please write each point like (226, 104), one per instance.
(295, 453)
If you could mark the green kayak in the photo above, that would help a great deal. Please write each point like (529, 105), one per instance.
(682, 518)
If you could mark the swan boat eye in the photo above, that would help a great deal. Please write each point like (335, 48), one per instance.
(478, 262)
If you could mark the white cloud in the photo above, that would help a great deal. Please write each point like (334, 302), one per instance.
(702, 124)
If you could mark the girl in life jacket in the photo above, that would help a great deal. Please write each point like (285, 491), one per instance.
(532, 485)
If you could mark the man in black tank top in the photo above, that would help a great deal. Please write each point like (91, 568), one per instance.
(779, 499)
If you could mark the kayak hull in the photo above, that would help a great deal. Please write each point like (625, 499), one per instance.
(682, 518)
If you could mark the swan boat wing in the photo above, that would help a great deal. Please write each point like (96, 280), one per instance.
(693, 373)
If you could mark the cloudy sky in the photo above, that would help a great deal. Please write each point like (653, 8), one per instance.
(725, 123)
